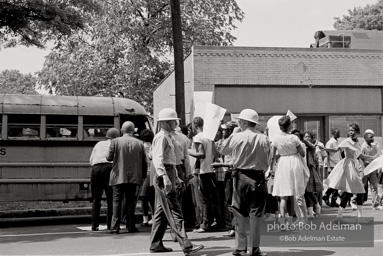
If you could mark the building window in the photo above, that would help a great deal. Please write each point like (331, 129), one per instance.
(23, 126)
(364, 122)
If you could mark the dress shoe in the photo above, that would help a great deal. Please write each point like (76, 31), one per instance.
(230, 233)
(113, 231)
(193, 249)
(161, 249)
(238, 252)
(257, 252)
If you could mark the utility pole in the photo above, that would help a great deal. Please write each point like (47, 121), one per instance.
(178, 59)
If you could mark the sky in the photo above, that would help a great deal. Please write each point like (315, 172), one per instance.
(267, 23)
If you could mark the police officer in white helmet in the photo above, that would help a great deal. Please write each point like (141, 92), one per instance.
(251, 150)
(168, 210)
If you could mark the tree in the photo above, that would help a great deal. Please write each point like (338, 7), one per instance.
(33, 22)
(128, 48)
(367, 18)
(13, 82)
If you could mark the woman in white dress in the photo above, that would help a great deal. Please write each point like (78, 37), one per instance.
(347, 175)
(290, 178)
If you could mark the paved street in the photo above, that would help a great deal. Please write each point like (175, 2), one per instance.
(77, 239)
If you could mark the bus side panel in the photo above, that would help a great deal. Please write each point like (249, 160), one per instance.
(45, 173)
(43, 192)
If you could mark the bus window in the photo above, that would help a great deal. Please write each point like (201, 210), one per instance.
(64, 126)
(140, 122)
(97, 126)
(23, 126)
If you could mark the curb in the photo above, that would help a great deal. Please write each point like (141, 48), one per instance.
(52, 217)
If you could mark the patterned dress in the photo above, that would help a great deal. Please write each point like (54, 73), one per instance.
(314, 183)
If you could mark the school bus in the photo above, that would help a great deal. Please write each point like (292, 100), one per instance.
(46, 142)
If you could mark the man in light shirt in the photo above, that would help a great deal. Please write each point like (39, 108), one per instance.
(333, 157)
(205, 152)
(251, 154)
(99, 178)
(168, 210)
(370, 148)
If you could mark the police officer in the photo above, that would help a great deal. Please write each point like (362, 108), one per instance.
(251, 151)
(168, 209)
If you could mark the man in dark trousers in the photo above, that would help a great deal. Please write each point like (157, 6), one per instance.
(168, 210)
(128, 172)
(250, 150)
(99, 178)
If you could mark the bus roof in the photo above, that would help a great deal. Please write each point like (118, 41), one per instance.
(68, 105)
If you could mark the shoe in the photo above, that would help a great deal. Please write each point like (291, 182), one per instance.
(379, 207)
(113, 231)
(161, 249)
(145, 224)
(239, 252)
(132, 230)
(230, 233)
(150, 222)
(200, 230)
(257, 252)
(353, 206)
(95, 229)
(318, 210)
(193, 248)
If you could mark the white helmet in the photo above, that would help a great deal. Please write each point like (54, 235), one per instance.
(167, 114)
(249, 115)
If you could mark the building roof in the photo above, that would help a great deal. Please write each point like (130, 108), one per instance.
(360, 39)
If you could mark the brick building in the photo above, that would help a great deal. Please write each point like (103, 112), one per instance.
(325, 87)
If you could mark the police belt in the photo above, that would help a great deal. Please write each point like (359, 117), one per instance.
(251, 173)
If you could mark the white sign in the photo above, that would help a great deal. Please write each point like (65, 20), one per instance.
(212, 120)
(273, 127)
(200, 100)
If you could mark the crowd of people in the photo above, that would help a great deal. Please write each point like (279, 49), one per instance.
(231, 183)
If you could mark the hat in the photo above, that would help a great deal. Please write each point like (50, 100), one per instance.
(249, 115)
(127, 126)
(167, 114)
(369, 131)
(112, 133)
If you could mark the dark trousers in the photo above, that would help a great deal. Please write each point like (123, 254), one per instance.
(228, 197)
(333, 193)
(219, 204)
(249, 200)
(347, 196)
(168, 211)
(208, 197)
(119, 191)
(99, 180)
